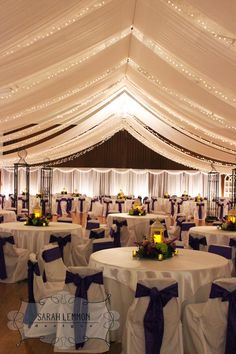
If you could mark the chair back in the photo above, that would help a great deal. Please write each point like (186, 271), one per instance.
(152, 327)
(51, 263)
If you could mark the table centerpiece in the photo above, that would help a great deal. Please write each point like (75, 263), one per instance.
(230, 223)
(121, 195)
(149, 249)
(137, 210)
(33, 220)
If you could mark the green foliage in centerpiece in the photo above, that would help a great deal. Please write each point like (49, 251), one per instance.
(158, 251)
(229, 225)
(137, 210)
(37, 221)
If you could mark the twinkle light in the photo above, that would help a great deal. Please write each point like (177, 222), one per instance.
(63, 67)
(184, 69)
(209, 26)
(56, 27)
(66, 94)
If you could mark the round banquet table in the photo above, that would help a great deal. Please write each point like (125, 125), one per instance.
(34, 238)
(8, 215)
(193, 270)
(140, 224)
(213, 234)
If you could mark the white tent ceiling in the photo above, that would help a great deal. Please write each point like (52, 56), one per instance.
(164, 70)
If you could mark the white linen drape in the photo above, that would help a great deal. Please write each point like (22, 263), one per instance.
(96, 181)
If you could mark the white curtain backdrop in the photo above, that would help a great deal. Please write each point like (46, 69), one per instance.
(97, 181)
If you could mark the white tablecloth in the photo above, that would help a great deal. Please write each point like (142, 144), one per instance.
(213, 234)
(8, 215)
(34, 238)
(193, 270)
(140, 224)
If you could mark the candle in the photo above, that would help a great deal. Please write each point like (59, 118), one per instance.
(157, 238)
(44, 224)
(160, 257)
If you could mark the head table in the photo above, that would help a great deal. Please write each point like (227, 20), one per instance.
(194, 271)
(213, 235)
(140, 224)
(34, 238)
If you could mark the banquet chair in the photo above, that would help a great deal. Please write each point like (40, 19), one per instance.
(63, 240)
(42, 297)
(200, 211)
(153, 321)
(13, 260)
(197, 242)
(227, 252)
(208, 328)
(51, 264)
(85, 294)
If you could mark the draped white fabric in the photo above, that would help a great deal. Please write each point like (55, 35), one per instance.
(109, 181)
(161, 69)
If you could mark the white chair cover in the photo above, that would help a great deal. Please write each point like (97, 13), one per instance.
(204, 324)
(15, 260)
(54, 270)
(67, 249)
(134, 338)
(96, 304)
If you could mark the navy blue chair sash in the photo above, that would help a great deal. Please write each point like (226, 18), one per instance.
(195, 242)
(31, 309)
(154, 316)
(120, 202)
(223, 251)
(97, 234)
(153, 202)
(3, 241)
(81, 303)
(220, 292)
(61, 241)
(51, 254)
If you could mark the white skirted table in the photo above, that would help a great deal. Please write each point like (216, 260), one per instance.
(8, 215)
(213, 235)
(140, 224)
(34, 238)
(194, 272)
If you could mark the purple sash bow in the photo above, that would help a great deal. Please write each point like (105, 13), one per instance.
(200, 210)
(218, 291)
(81, 303)
(3, 241)
(51, 254)
(13, 201)
(96, 234)
(31, 310)
(154, 316)
(147, 202)
(81, 208)
(92, 224)
(93, 201)
(2, 197)
(61, 241)
(153, 202)
(23, 202)
(232, 242)
(223, 251)
(1, 219)
(172, 205)
(107, 202)
(196, 242)
(179, 205)
(59, 211)
(69, 205)
(120, 202)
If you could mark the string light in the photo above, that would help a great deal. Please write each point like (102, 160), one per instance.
(66, 95)
(65, 66)
(207, 25)
(184, 69)
(56, 27)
